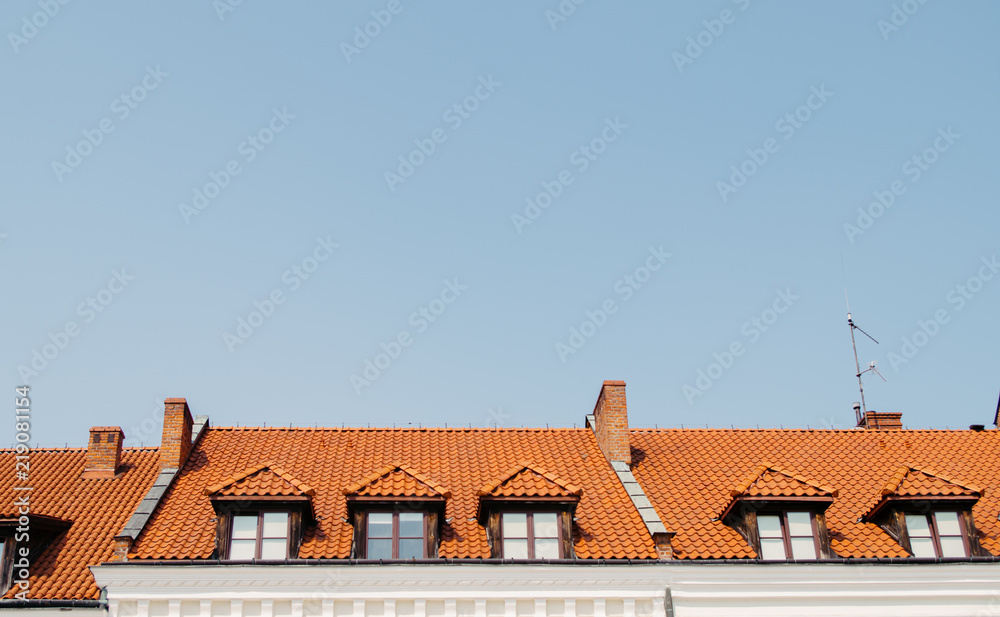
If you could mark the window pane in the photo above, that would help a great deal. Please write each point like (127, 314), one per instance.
(242, 549)
(411, 525)
(545, 525)
(275, 524)
(800, 524)
(515, 549)
(803, 548)
(380, 524)
(916, 526)
(947, 523)
(769, 527)
(411, 549)
(245, 527)
(771, 548)
(273, 548)
(922, 547)
(380, 549)
(546, 549)
(515, 525)
(952, 546)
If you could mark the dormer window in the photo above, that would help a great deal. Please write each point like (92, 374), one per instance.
(929, 515)
(938, 534)
(396, 512)
(396, 535)
(528, 514)
(781, 515)
(530, 535)
(260, 535)
(261, 514)
(787, 535)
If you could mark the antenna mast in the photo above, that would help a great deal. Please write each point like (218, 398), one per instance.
(857, 365)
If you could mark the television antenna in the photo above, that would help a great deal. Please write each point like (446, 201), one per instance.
(871, 365)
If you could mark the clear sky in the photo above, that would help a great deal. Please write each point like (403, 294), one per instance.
(402, 212)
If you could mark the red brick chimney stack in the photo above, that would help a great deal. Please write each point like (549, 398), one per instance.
(611, 422)
(104, 452)
(176, 442)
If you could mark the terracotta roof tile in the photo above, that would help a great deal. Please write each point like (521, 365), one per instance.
(459, 461)
(689, 475)
(262, 480)
(98, 509)
(524, 480)
(396, 481)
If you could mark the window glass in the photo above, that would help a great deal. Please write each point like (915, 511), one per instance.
(952, 546)
(273, 548)
(515, 525)
(242, 549)
(411, 548)
(769, 526)
(800, 524)
(379, 548)
(947, 523)
(803, 548)
(245, 527)
(546, 525)
(922, 547)
(772, 548)
(546, 548)
(275, 524)
(917, 527)
(515, 549)
(411, 524)
(380, 525)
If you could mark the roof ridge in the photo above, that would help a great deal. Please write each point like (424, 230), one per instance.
(521, 467)
(385, 470)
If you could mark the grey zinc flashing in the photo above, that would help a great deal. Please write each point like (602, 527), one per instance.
(635, 492)
(147, 506)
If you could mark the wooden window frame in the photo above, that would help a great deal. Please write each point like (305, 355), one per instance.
(742, 514)
(786, 536)
(432, 509)
(395, 537)
(299, 515)
(530, 537)
(7, 563)
(491, 511)
(258, 541)
(931, 517)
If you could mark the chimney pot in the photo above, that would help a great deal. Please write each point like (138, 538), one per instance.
(176, 442)
(611, 422)
(104, 452)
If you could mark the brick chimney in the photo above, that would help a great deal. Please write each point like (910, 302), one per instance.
(176, 442)
(881, 420)
(104, 452)
(610, 422)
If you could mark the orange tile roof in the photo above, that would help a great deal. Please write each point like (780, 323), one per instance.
(98, 509)
(262, 480)
(917, 482)
(396, 481)
(460, 461)
(524, 480)
(689, 476)
(767, 481)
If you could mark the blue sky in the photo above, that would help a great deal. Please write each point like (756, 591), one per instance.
(701, 167)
